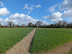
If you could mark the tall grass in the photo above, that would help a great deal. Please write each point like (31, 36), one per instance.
(49, 38)
(10, 36)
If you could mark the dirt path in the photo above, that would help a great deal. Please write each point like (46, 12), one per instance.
(23, 46)
(64, 49)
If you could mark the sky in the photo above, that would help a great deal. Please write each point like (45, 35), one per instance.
(25, 11)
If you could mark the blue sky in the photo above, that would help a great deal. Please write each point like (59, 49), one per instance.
(47, 11)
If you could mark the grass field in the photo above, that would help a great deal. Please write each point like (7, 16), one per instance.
(10, 36)
(48, 38)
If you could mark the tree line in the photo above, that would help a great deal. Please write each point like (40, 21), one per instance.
(10, 24)
(59, 24)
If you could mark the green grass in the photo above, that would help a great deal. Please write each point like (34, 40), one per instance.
(10, 36)
(70, 52)
(48, 38)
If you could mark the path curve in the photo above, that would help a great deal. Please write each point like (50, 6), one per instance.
(23, 46)
(64, 49)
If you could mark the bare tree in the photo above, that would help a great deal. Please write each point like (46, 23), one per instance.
(13, 25)
(23, 25)
(69, 25)
(10, 24)
(0, 25)
(17, 26)
(44, 25)
(29, 24)
(61, 24)
(38, 23)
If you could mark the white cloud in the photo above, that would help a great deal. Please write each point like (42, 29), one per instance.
(30, 7)
(37, 6)
(45, 23)
(45, 17)
(20, 19)
(67, 7)
(28, 12)
(17, 15)
(2, 4)
(66, 4)
(52, 8)
(26, 6)
(67, 13)
(55, 16)
(1, 19)
(58, 19)
(4, 11)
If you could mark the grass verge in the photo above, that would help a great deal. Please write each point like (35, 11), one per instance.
(48, 38)
(10, 36)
